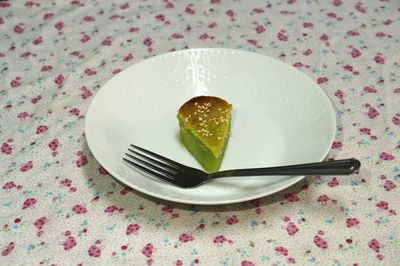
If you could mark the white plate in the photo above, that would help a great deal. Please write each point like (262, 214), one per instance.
(280, 117)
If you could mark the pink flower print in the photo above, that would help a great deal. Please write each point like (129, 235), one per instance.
(86, 92)
(41, 129)
(372, 113)
(186, 237)
(348, 68)
(337, 145)
(90, 71)
(324, 37)
(167, 209)
(220, 240)
(47, 16)
(59, 25)
(148, 42)
(46, 68)
(282, 251)
(5, 4)
(66, 182)
(323, 199)
(337, 2)
(282, 37)
(94, 251)
(85, 38)
(8, 186)
(333, 183)
(247, 263)
(124, 6)
(128, 57)
(88, 18)
(16, 82)
(230, 14)
(8, 249)
(111, 209)
(360, 7)
(386, 156)
(369, 89)
(19, 28)
(382, 205)
(169, 5)
(107, 41)
(215, 1)
(116, 71)
(211, 25)
(307, 52)
(23, 115)
(102, 171)
(291, 197)
(53, 144)
(352, 222)
(82, 161)
(189, 9)
(388, 22)
(1, 21)
(59, 80)
(124, 191)
(355, 53)
(365, 131)
(291, 260)
(320, 242)
(396, 119)
(160, 17)
(291, 1)
(204, 36)
(148, 250)
(177, 36)
(260, 29)
(69, 243)
(232, 220)
(38, 40)
(339, 94)
(36, 99)
(292, 229)
(322, 80)
(132, 229)
(26, 167)
(308, 25)
(6, 148)
(134, 29)
(79, 209)
(379, 59)
(374, 245)
(74, 111)
(39, 223)
(389, 185)
(29, 203)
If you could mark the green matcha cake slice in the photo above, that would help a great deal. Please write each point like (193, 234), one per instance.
(204, 128)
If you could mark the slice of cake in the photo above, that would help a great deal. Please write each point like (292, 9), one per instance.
(204, 128)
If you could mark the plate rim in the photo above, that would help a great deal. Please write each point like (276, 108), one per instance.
(296, 179)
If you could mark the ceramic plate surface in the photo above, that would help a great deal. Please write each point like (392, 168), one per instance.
(280, 117)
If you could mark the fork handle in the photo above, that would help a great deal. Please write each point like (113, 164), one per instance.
(339, 167)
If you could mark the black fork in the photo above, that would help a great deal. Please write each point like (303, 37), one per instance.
(188, 177)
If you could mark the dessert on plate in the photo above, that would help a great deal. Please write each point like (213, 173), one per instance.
(204, 123)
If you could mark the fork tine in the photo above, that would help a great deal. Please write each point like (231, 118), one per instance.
(153, 161)
(151, 172)
(152, 166)
(156, 155)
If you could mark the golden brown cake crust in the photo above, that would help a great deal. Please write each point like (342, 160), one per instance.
(208, 117)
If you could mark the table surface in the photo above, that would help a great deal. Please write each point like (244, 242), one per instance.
(58, 206)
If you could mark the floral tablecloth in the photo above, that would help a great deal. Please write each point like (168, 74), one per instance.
(58, 206)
